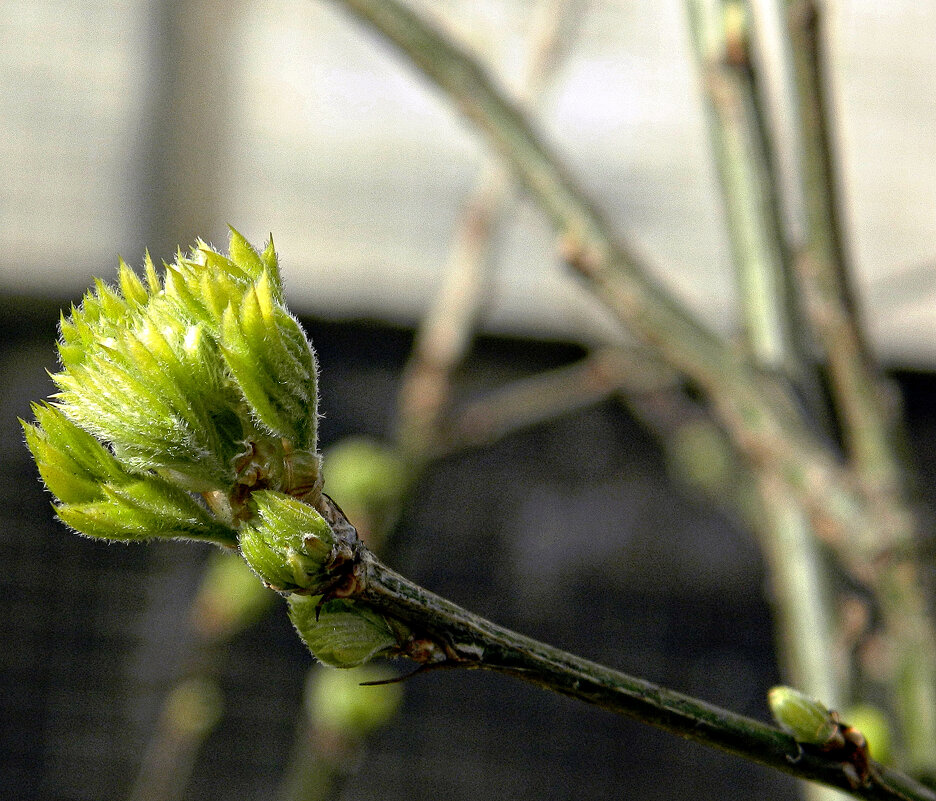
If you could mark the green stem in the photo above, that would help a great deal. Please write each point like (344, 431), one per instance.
(454, 636)
(721, 36)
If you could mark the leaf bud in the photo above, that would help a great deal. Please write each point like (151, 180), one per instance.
(287, 543)
(340, 633)
(177, 374)
(807, 720)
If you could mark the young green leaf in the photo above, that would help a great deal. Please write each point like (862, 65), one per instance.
(341, 633)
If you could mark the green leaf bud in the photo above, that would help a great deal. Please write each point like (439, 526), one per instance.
(287, 543)
(196, 381)
(340, 633)
(243, 254)
(178, 374)
(336, 701)
(805, 719)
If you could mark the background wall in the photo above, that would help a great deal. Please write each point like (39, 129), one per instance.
(129, 124)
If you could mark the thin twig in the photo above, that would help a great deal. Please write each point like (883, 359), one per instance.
(446, 331)
(823, 270)
(721, 35)
(549, 394)
(450, 634)
(822, 265)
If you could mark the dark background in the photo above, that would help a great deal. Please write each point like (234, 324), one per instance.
(571, 532)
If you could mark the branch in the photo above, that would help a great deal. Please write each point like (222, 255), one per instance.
(445, 334)
(823, 270)
(552, 393)
(452, 636)
(761, 416)
(721, 36)
(759, 413)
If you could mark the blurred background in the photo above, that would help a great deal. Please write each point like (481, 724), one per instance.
(142, 124)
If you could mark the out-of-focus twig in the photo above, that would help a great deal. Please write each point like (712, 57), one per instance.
(762, 418)
(823, 269)
(229, 599)
(338, 715)
(446, 331)
(550, 394)
(721, 35)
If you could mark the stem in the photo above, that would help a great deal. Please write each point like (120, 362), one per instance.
(445, 334)
(720, 36)
(823, 269)
(461, 638)
(552, 393)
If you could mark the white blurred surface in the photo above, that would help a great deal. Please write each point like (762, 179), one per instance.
(361, 170)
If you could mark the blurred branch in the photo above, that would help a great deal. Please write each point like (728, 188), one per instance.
(447, 328)
(229, 599)
(764, 420)
(339, 713)
(822, 265)
(552, 393)
(761, 416)
(869, 428)
(720, 31)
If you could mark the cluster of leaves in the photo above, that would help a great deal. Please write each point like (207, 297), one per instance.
(187, 407)
(170, 387)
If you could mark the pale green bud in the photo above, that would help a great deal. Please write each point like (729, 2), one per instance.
(340, 633)
(805, 719)
(196, 382)
(287, 543)
(270, 358)
(146, 508)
